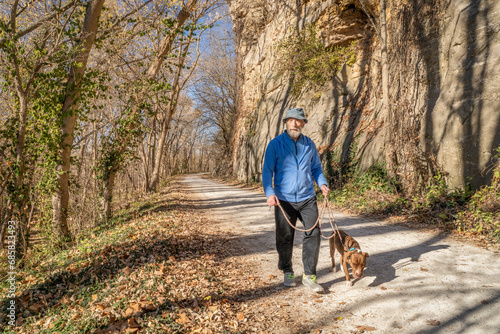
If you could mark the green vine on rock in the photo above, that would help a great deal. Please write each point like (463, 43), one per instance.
(304, 56)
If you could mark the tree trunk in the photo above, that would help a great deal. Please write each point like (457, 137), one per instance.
(385, 86)
(145, 164)
(5, 222)
(70, 106)
(166, 43)
(174, 96)
(159, 152)
(21, 194)
(107, 195)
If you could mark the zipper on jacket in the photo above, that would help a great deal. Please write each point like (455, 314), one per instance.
(297, 183)
(297, 178)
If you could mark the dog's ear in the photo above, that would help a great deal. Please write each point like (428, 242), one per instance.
(367, 255)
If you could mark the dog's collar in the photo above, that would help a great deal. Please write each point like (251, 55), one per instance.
(354, 248)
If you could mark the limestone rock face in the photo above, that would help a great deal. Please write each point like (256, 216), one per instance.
(444, 89)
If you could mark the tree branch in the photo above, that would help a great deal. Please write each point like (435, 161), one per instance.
(37, 24)
(370, 17)
(121, 19)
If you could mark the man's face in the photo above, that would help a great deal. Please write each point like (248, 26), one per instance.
(294, 127)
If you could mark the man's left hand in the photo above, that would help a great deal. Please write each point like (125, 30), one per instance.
(325, 190)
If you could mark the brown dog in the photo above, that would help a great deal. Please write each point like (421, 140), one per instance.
(351, 253)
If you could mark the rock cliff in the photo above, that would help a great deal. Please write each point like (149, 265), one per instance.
(444, 65)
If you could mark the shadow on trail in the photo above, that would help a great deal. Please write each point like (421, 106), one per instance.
(467, 316)
(384, 264)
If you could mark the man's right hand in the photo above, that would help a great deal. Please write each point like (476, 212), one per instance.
(272, 200)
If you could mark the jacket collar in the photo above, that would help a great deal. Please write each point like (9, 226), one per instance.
(288, 143)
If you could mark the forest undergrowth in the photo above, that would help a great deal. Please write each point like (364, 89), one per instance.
(473, 214)
(158, 267)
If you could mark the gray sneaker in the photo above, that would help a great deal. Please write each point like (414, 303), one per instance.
(310, 281)
(289, 280)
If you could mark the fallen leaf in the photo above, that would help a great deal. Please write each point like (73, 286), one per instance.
(366, 328)
(132, 323)
(183, 319)
(319, 300)
(110, 330)
(240, 316)
(94, 297)
(338, 318)
(100, 307)
(35, 307)
(195, 303)
(147, 306)
(433, 322)
(383, 288)
(423, 269)
(128, 312)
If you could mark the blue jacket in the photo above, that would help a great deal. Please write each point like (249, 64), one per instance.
(293, 164)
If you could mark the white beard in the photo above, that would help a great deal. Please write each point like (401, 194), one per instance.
(294, 134)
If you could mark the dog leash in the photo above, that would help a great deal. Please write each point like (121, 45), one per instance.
(332, 221)
(325, 207)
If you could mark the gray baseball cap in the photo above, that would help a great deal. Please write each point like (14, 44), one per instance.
(297, 113)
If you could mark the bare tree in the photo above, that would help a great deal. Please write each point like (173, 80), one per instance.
(122, 143)
(179, 84)
(216, 91)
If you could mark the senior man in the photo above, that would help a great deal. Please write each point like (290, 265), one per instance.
(292, 160)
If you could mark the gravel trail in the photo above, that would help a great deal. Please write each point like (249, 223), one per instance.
(415, 282)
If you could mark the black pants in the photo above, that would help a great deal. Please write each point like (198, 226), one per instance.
(307, 212)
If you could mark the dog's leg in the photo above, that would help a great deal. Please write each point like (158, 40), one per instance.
(340, 248)
(345, 269)
(332, 254)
